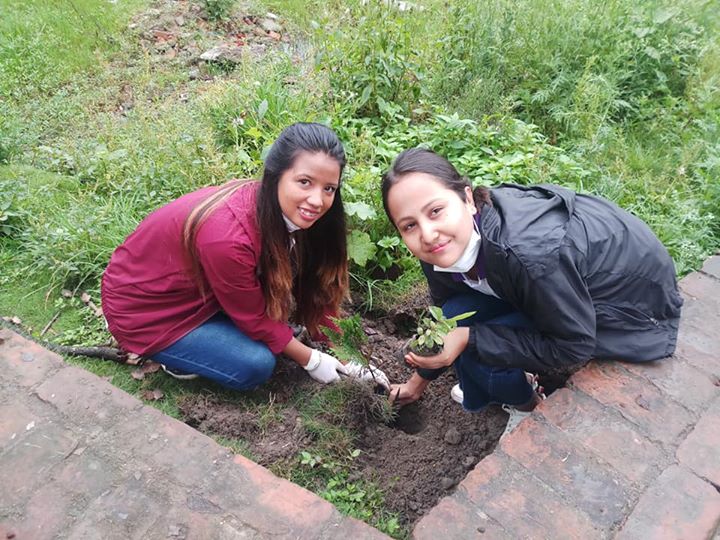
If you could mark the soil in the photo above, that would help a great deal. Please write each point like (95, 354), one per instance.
(416, 460)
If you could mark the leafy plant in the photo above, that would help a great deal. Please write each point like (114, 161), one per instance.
(372, 63)
(347, 341)
(433, 328)
(11, 213)
(218, 10)
(356, 498)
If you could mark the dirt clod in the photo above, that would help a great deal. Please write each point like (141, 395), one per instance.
(446, 483)
(452, 436)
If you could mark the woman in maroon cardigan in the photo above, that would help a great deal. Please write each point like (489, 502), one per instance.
(206, 284)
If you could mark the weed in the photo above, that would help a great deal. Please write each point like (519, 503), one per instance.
(218, 10)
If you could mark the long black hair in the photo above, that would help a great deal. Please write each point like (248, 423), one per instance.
(321, 282)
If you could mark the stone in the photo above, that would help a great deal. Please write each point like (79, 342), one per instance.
(446, 483)
(223, 53)
(453, 436)
(269, 25)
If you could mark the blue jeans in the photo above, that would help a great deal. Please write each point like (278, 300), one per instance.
(482, 384)
(219, 351)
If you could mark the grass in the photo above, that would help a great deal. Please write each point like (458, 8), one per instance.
(98, 128)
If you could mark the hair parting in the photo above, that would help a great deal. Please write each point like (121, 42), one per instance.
(422, 160)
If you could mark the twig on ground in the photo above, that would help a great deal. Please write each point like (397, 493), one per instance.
(104, 353)
(49, 324)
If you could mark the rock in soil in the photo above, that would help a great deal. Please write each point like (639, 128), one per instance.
(446, 483)
(453, 436)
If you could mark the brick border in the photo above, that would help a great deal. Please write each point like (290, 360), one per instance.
(80, 458)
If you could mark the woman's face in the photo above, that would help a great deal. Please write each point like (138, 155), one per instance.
(433, 221)
(307, 189)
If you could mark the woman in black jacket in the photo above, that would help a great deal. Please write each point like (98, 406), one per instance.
(555, 278)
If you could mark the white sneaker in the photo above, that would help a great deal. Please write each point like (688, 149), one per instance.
(457, 394)
(182, 375)
(514, 419)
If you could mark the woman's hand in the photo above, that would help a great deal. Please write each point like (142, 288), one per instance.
(324, 368)
(455, 343)
(406, 393)
(367, 373)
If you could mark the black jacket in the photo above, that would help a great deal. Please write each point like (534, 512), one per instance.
(594, 280)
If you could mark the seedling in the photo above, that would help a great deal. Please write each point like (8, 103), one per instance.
(432, 329)
(347, 344)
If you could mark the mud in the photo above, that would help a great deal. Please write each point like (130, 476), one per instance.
(416, 459)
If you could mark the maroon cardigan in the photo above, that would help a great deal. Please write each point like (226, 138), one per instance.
(148, 297)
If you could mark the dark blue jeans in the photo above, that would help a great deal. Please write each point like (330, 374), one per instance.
(482, 384)
(219, 351)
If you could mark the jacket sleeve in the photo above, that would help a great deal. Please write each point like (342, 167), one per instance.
(230, 270)
(561, 310)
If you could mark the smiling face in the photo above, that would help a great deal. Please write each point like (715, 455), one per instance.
(306, 190)
(434, 222)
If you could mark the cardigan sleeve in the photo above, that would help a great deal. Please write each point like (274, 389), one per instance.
(229, 266)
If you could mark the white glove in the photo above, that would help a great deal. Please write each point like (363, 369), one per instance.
(323, 367)
(367, 373)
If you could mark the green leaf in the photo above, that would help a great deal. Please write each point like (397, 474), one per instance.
(254, 132)
(436, 312)
(664, 15)
(388, 242)
(365, 95)
(262, 109)
(360, 209)
(360, 247)
(463, 316)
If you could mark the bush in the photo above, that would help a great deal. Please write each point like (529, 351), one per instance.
(371, 62)
(218, 10)
(568, 67)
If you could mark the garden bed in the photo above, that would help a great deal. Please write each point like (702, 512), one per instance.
(415, 460)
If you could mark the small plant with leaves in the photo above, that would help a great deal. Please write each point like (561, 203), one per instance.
(218, 10)
(348, 340)
(432, 329)
(348, 345)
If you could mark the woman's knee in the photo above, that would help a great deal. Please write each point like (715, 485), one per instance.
(264, 364)
(455, 305)
(254, 369)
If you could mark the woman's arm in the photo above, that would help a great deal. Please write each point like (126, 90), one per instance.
(298, 352)
(409, 391)
(561, 309)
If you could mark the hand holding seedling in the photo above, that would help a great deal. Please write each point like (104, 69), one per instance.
(454, 344)
(438, 341)
(347, 344)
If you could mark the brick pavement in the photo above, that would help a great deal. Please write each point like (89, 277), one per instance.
(81, 459)
(626, 451)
